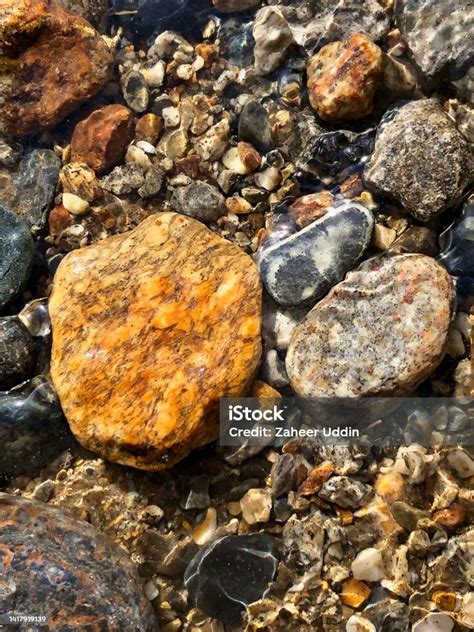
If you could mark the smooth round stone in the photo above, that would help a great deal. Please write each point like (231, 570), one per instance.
(255, 128)
(33, 430)
(71, 574)
(17, 353)
(231, 573)
(16, 255)
(381, 331)
(302, 267)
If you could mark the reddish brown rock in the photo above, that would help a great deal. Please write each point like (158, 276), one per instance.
(59, 220)
(149, 127)
(342, 78)
(150, 329)
(67, 571)
(101, 139)
(51, 62)
(310, 207)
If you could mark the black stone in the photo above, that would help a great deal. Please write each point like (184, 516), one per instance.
(17, 353)
(231, 573)
(183, 16)
(301, 268)
(255, 128)
(341, 153)
(33, 430)
(16, 255)
(34, 186)
(457, 244)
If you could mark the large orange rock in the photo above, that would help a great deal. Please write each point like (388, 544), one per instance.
(150, 329)
(50, 63)
(101, 139)
(342, 78)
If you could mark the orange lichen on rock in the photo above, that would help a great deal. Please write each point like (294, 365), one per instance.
(150, 329)
(50, 63)
(342, 78)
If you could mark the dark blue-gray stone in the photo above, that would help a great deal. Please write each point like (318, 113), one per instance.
(16, 255)
(33, 430)
(231, 573)
(457, 243)
(34, 186)
(255, 128)
(302, 267)
(17, 353)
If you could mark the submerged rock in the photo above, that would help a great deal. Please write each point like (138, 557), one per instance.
(199, 200)
(63, 64)
(342, 78)
(150, 329)
(94, 11)
(101, 139)
(33, 430)
(272, 37)
(16, 255)
(436, 34)
(457, 244)
(32, 189)
(302, 267)
(426, 177)
(381, 331)
(72, 573)
(17, 353)
(183, 16)
(223, 594)
(255, 127)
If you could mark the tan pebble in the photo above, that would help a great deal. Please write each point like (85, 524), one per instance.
(264, 390)
(354, 593)
(234, 508)
(268, 179)
(249, 156)
(383, 237)
(256, 505)
(205, 530)
(232, 161)
(74, 204)
(390, 486)
(346, 517)
(238, 205)
(148, 128)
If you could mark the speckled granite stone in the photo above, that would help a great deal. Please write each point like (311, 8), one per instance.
(381, 331)
(437, 32)
(302, 267)
(56, 566)
(150, 329)
(426, 177)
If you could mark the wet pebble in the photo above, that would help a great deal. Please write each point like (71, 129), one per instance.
(273, 37)
(345, 492)
(254, 126)
(73, 573)
(223, 595)
(302, 267)
(33, 187)
(457, 243)
(17, 353)
(199, 200)
(16, 255)
(135, 91)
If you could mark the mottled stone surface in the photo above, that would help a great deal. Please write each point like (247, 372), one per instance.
(272, 37)
(223, 594)
(302, 267)
(150, 329)
(342, 78)
(64, 63)
(17, 353)
(231, 6)
(457, 243)
(438, 35)
(101, 139)
(381, 331)
(16, 255)
(426, 177)
(69, 572)
(313, 24)
(94, 11)
(31, 190)
(199, 200)
(254, 126)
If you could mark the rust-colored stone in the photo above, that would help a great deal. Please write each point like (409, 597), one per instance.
(451, 517)
(101, 139)
(150, 329)
(149, 127)
(249, 156)
(51, 62)
(342, 78)
(310, 207)
(312, 484)
(354, 593)
(59, 220)
(390, 486)
(444, 600)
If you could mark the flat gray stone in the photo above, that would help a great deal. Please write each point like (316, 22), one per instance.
(16, 255)
(302, 267)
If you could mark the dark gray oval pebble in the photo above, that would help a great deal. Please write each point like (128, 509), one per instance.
(255, 128)
(16, 255)
(302, 267)
(230, 573)
(199, 200)
(62, 569)
(17, 353)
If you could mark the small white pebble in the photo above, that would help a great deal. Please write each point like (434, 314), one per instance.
(171, 117)
(146, 147)
(368, 565)
(138, 156)
(151, 591)
(256, 505)
(434, 622)
(356, 623)
(74, 204)
(154, 76)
